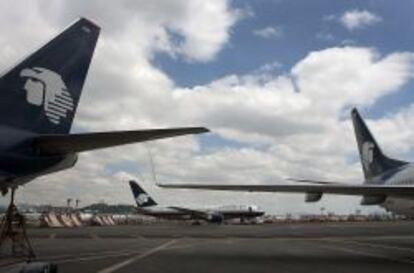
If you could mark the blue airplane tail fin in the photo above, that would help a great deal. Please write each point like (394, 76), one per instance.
(41, 93)
(374, 161)
(141, 197)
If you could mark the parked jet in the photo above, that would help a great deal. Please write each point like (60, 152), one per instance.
(388, 182)
(147, 206)
(39, 97)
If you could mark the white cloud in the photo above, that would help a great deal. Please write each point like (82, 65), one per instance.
(268, 32)
(354, 19)
(360, 75)
(277, 131)
(183, 28)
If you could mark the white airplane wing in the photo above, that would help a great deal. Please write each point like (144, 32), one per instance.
(317, 187)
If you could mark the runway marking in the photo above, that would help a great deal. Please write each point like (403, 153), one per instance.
(90, 255)
(203, 243)
(95, 257)
(363, 252)
(385, 246)
(150, 252)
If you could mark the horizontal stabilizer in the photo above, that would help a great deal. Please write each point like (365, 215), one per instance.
(73, 143)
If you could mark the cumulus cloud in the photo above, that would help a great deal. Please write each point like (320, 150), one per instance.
(268, 32)
(292, 124)
(355, 19)
(177, 27)
(271, 108)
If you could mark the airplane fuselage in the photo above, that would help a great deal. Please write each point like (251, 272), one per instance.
(21, 163)
(165, 213)
(404, 175)
(215, 216)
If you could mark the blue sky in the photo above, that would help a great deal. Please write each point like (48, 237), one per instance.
(300, 23)
(304, 27)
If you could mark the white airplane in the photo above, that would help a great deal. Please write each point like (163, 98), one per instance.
(147, 206)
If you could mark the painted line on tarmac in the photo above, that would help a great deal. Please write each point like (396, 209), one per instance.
(185, 245)
(362, 252)
(89, 255)
(379, 245)
(95, 257)
(150, 252)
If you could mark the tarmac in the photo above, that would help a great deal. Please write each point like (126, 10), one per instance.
(298, 247)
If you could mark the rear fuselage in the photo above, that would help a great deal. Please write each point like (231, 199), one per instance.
(20, 162)
(404, 175)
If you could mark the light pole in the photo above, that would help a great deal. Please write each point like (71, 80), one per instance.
(68, 202)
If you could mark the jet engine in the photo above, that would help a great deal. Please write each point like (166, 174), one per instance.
(215, 217)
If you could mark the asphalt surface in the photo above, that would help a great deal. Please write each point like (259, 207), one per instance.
(336, 247)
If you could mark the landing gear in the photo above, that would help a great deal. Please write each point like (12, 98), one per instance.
(13, 229)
